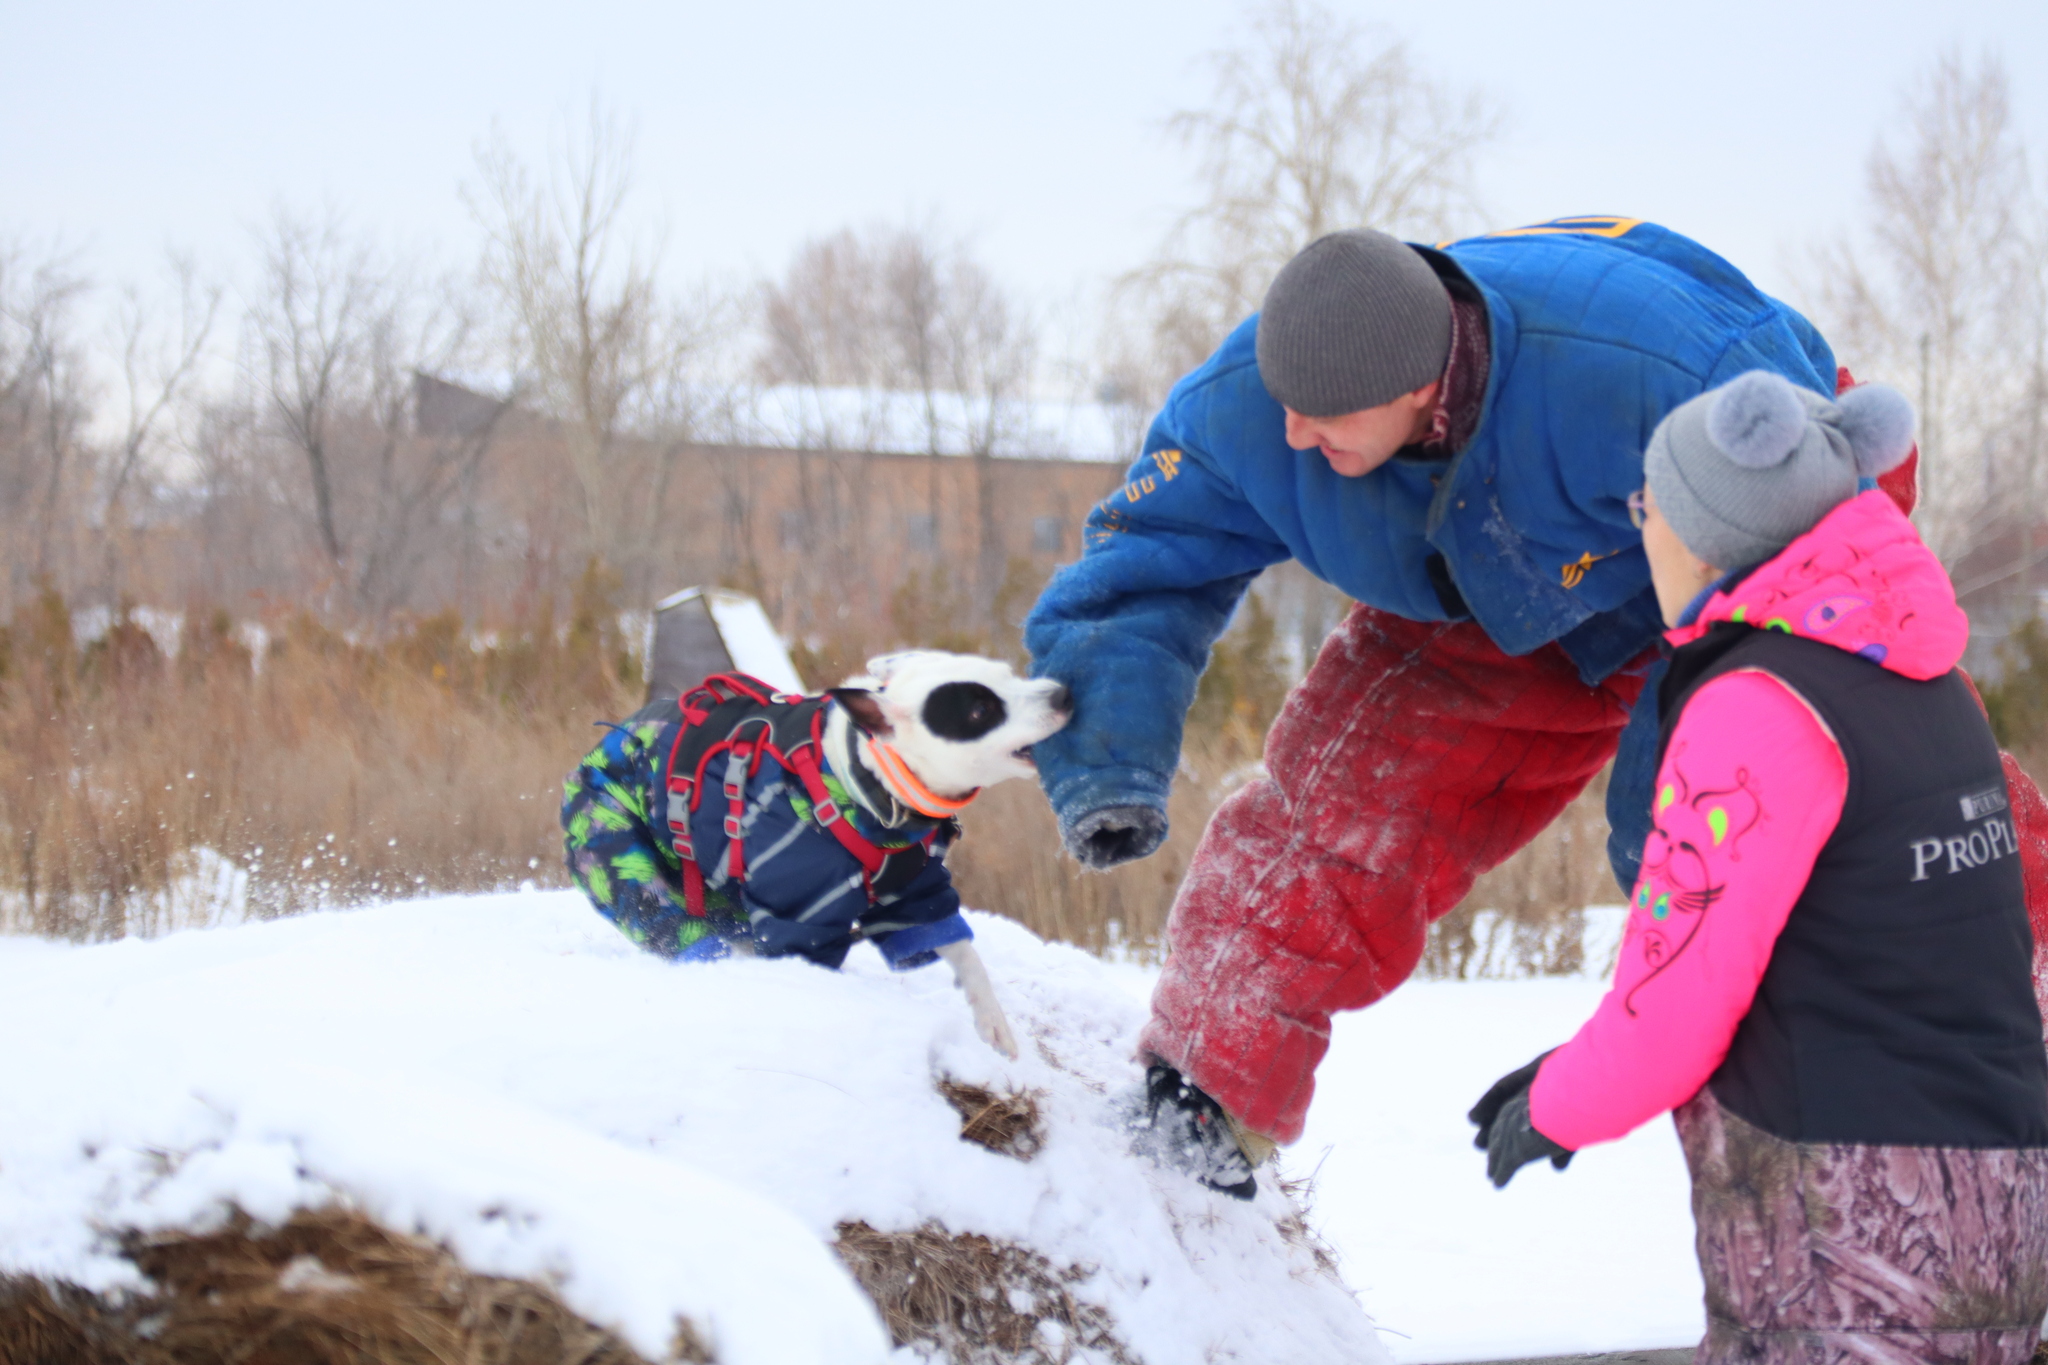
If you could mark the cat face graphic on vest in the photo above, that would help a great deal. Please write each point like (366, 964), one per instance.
(934, 728)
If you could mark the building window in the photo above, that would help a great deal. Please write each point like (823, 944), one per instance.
(1048, 535)
(792, 530)
(922, 531)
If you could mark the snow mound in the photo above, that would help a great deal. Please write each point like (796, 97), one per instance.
(508, 1076)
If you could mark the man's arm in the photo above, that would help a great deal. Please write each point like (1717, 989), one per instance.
(1128, 628)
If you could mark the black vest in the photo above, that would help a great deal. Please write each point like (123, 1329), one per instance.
(1898, 1007)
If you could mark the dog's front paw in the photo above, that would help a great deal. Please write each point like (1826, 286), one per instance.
(1102, 839)
(990, 1023)
(994, 1028)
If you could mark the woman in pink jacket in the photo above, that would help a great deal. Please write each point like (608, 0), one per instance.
(1826, 973)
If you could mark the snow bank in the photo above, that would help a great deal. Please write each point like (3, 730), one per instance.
(507, 1075)
(1597, 1257)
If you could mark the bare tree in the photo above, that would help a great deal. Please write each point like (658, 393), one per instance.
(820, 319)
(160, 365)
(988, 355)
(312, 325)
(1313, 124)
(1948, 297)
(44, 406)
(886, 312)
(606, 353)
(897, 338)
(339, 335)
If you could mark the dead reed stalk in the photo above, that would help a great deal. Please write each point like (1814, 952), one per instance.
(1007, 1124)
(140, 792)
(329, 1287)
(1011, 861)
(980, 1301)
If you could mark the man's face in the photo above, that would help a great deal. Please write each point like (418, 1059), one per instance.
(1356, 443)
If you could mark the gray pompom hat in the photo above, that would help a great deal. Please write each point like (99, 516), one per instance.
(1742, 471)
(1355, 320)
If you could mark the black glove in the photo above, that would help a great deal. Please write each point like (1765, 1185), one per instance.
(1103, 838)
(1506, 1135)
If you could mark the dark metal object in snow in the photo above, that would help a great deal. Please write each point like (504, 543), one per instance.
(701, 631)
(687, 647)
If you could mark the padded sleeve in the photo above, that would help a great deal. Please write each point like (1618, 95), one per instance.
(1128, 627)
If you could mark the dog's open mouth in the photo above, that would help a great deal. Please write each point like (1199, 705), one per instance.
(1023, 756)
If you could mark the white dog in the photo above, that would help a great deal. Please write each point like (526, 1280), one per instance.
(925, 732)
(737, 819)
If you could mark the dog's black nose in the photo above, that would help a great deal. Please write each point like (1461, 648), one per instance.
(1063, 700)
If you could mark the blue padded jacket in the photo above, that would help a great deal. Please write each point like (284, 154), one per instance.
(1598, 328)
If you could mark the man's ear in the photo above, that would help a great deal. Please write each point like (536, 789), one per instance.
(865, 709)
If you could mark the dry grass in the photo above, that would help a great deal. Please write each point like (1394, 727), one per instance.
(1007, 1124)
(1297, 1232)
(332, 773)
(1011, 861)
(330, 1287)
(980, 1301)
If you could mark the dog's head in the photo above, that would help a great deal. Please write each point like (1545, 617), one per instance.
(958, 721)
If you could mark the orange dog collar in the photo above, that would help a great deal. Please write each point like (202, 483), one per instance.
(915, 794)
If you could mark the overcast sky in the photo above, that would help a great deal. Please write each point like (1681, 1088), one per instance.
(1033, 128)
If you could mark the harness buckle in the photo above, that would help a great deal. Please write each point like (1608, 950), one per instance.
(732, 827)
(826, 812)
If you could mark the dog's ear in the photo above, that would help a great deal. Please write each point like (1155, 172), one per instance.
(865, 708)
(882, 665)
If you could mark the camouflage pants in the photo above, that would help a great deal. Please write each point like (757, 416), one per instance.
(1819, 1253)
(625, 865)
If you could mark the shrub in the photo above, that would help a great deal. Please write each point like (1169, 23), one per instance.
(330, 770)
(2018, 701)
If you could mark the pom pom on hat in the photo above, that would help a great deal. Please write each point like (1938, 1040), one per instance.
(1742, 471)
(1757, 421)
(1878, 421)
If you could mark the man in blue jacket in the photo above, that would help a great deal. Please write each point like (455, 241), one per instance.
(1452, 437)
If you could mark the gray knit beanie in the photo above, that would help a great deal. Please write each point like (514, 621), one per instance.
(1742, 471)
(1355, 320)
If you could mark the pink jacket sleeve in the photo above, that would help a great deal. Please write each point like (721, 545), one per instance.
(1750, 789)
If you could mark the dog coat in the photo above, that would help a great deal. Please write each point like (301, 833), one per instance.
(716, 819)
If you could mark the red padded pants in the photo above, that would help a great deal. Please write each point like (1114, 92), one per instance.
(1413, 757)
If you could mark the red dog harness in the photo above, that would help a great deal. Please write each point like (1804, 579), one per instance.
(741, 716)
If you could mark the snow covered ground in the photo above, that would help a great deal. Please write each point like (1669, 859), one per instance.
(508, 1075)
(1596, 1257)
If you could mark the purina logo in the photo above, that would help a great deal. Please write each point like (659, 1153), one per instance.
(1977, 805)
